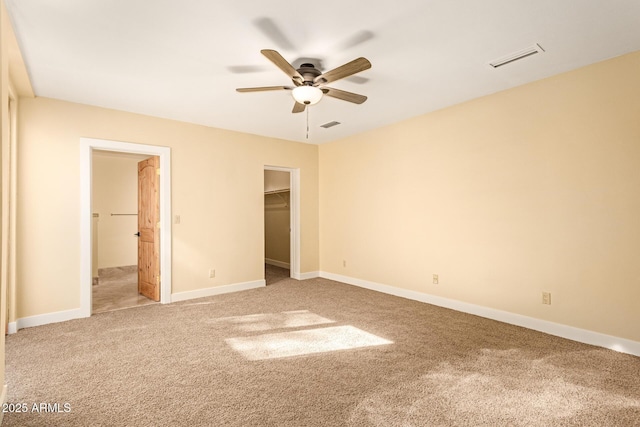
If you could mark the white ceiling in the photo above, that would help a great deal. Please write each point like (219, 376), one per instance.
(180, 60)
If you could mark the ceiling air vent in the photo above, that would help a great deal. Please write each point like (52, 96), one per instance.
(523, 53)
(330, 124)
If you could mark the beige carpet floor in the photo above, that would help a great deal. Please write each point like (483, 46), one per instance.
(312, 353)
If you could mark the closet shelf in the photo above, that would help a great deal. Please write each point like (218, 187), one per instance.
(279, 193)
(286, 190)
(277, 206)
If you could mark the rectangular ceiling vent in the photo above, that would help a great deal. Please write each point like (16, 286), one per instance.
(330, 124)
(521, 54)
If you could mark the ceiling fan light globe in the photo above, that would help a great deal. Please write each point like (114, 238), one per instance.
(307, 95)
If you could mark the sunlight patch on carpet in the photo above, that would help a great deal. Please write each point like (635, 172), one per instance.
(298, 343)
(270, 321)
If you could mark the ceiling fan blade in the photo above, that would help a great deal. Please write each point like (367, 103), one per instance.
(357, 79)
(354, 40)
(244, 69)
(346, 70)
(282, 63)
(298, 108)
(344, 95)
(262, 89)
(271, 30)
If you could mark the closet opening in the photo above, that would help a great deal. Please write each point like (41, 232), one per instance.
(280, 224)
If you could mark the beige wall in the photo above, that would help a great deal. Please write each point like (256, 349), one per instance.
(217, 189)
(115, 190)
(528, 190)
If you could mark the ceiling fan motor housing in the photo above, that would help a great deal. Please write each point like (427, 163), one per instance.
(308, 73)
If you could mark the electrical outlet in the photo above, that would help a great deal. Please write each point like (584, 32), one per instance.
(212, 273)
(344, 262)
(177, 219)
(435, 279)
(546, 298)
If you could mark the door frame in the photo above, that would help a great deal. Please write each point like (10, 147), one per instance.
(87, 145)
(8, 261)
(294, 218)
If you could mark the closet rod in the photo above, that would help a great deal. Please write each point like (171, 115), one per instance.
(122, 214)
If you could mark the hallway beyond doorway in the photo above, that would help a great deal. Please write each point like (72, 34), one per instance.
(273, 274)
(117, 288)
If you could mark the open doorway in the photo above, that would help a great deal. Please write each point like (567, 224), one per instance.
(277, 226)
(161, 223)
(281, 224)
(116, 231)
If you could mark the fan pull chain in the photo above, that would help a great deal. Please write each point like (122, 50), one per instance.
(307, 122)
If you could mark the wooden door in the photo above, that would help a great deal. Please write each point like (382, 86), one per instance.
(149, 228)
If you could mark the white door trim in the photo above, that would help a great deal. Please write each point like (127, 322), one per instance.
(87, 145)
(294, 220)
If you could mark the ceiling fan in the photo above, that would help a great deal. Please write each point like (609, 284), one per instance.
(309, 82)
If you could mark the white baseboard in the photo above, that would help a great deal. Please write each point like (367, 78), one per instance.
(216, 290)
(277, 263)
(576, 334)
(307, 275)
(44, 319)
(62, 316)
